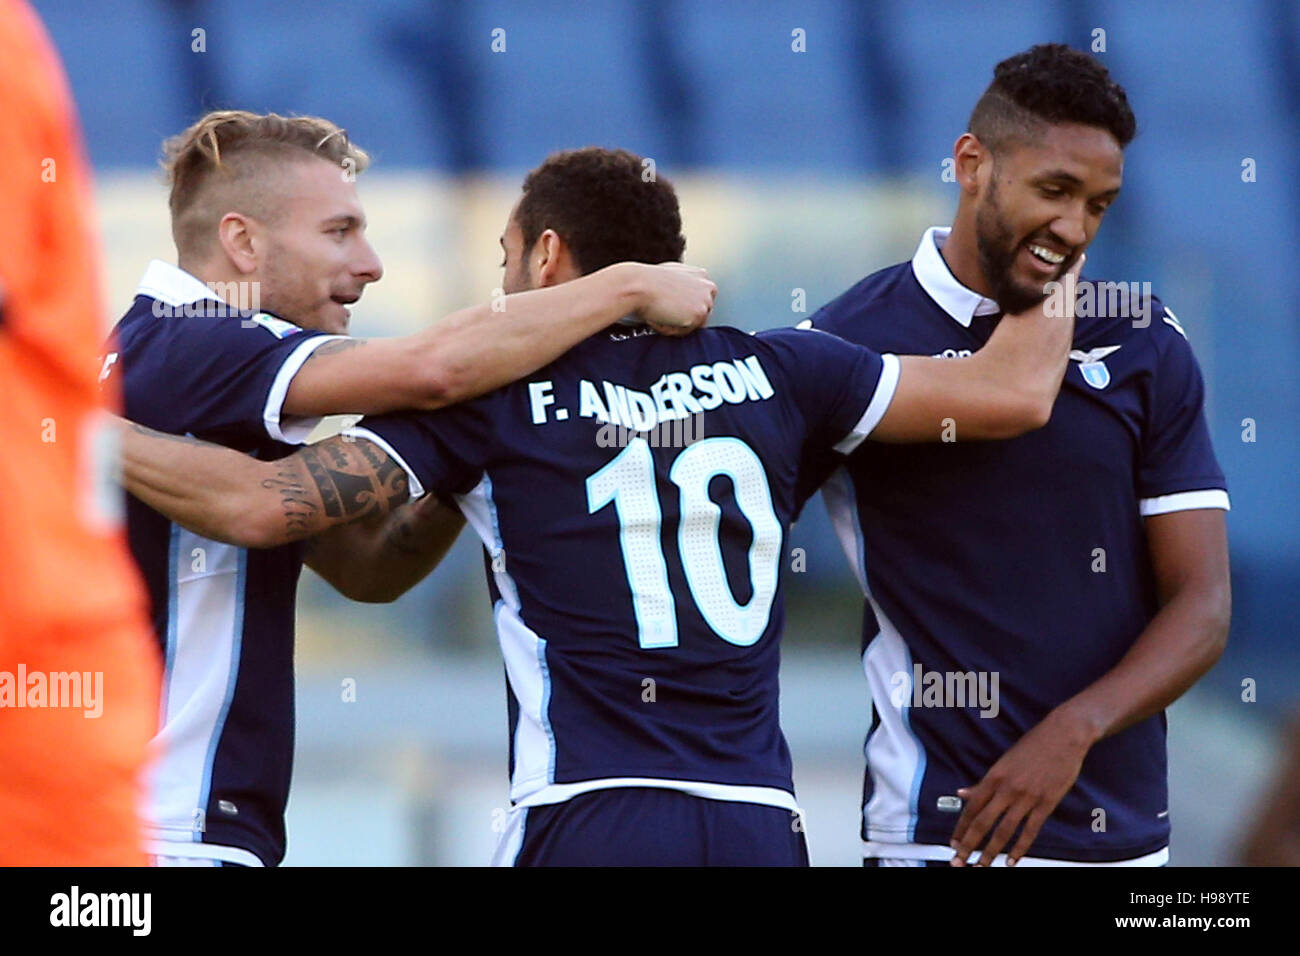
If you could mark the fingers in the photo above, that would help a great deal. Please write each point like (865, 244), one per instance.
(983, 807)
(1077, 268)
(683, 301)
(1006, 829)
(1028, 835)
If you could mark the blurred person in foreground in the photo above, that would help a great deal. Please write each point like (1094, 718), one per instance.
(633, 498)
(1074, 580)
(78, 667)
(244, 343)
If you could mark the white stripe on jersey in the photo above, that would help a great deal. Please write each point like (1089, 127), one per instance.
(916, 852)
(534, 743)
(1184, 501)
(876, 408)
(737, 793)
(524, 652)
(291, 431)
(198, 854)
(894, 754)
(205, 621)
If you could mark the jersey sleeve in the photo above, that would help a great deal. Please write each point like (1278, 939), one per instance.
(442, 452)
(1178, 470)
(842, 389)
(221, 376)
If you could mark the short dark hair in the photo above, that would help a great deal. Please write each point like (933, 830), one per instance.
(1049, 84)
(609, 205)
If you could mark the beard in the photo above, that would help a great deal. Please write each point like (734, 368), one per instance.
(286, 294)
(998, 248)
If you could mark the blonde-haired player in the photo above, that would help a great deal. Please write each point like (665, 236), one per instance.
(265, 209)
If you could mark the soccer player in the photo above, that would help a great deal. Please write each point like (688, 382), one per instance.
(1078, 574)
(78, 667)
(243, 344)
(633, 498)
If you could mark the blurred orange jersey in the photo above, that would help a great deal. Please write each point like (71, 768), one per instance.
(71, 602)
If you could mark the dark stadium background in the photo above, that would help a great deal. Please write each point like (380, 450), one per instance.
(797, 171)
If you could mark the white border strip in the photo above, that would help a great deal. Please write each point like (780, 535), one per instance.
(203, 851)
(884, 394)
(765, 796)
(300, 427)
(928, 851)
(1184, 501)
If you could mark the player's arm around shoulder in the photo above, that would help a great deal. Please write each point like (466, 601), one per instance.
(228, 496)
(1005, 389)
(487, 346)
(380, 558)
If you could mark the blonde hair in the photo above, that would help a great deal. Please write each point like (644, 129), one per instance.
(225, 162)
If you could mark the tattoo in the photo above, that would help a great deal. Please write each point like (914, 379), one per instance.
(295, 501)
(333, 348)
(405, 535)
(350, 489)
(154, 433)
(390, 474)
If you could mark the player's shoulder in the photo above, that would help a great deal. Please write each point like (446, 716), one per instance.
(204, 324)
(1129, 314)
(872, 295)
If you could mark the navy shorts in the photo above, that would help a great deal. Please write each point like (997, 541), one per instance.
(648, 826)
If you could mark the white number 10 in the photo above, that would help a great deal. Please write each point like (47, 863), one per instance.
(629, 482)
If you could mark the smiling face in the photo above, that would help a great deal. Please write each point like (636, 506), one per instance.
(314, 257)
(1041, 206)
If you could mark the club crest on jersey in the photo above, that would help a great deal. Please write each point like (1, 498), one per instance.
(1091, 364)
(277, 327)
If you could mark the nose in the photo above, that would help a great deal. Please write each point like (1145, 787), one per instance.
(368, 267)
(1070, 229)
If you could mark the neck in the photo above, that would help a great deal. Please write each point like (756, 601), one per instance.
(961, 252)
(216, 277)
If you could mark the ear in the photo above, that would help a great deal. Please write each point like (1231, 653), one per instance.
(550, 256)
(974, 163)
(236, 233)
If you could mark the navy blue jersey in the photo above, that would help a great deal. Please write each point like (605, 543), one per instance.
(634, 499)
(224, 616)
(1023, 562)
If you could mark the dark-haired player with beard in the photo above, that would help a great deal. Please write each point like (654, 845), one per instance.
(1079, 572)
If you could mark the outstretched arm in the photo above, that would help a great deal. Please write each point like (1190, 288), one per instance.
(479, 349)
(1005, 389)
(229, 496)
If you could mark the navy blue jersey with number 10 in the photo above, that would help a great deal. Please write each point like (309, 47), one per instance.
(634, 499)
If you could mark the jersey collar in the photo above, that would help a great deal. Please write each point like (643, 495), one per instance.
(172, 286)
(940, 284)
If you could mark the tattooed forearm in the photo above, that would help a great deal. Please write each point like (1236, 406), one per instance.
(295, 501)
(392, 479)
(353, 478)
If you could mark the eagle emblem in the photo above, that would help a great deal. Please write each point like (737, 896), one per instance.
(1091, 364)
